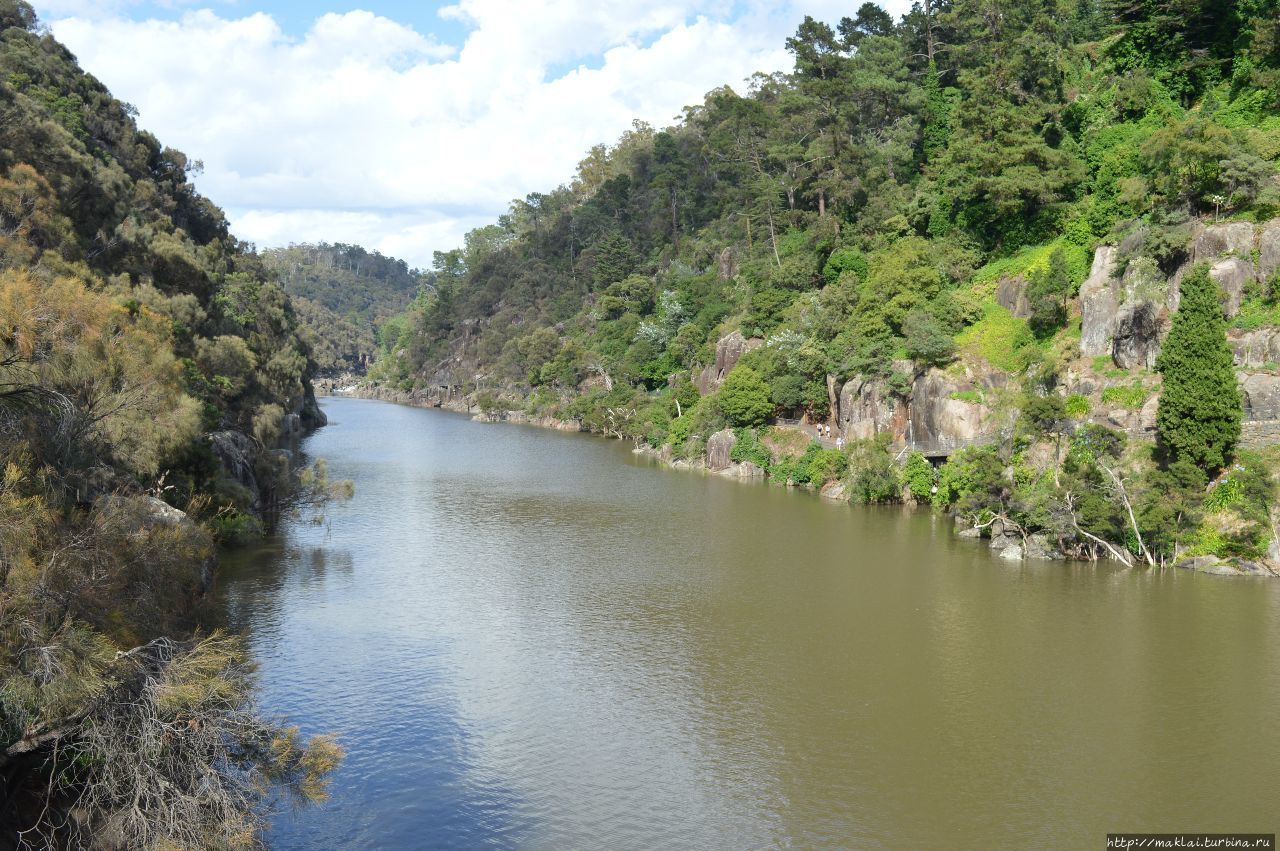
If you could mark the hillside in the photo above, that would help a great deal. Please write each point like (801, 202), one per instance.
(149, 367)
(343, 295)
(892, 239)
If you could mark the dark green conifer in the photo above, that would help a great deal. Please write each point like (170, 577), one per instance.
(1199, 415)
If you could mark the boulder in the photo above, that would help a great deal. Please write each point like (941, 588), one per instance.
(970, 532)
(1255, 348)
(1225, 566)
(748, 470)
(1223, 240)
(1007, 547)
(1269, 250)
(719, 449)
(1012, 296)
(1099, 304)
(1138, 329)
(1231, 274)
(1038, 546)
(1261, 392)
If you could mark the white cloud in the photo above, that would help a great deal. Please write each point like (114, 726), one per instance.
(364, 130)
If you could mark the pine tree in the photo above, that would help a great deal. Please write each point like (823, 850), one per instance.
(1200, 411)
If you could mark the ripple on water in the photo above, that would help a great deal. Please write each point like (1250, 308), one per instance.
(525, 639)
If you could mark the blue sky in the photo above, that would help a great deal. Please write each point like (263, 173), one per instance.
(401, 125)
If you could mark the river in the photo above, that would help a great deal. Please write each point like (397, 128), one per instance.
(528, 639)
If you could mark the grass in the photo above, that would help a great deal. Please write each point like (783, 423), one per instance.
(1254, 315)
(999, 338)
(1131, 397)
(973, 397)
(1031, 260)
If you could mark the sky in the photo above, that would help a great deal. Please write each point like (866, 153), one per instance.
(400, 126)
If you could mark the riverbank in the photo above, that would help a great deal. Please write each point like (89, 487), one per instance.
(534, 639)
(1006, 539)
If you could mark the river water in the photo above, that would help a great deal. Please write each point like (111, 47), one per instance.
(528, 639)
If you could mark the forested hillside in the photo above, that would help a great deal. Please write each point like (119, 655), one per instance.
(148, 368)
(343, 294)
(961, 235)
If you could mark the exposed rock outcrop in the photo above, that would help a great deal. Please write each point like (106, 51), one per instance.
(1269, 250)
(1099, 304)
(865, 411)
(1222, 240)
(237, 452)
(1232, 274)
(1255, 348)
(1012, 296)
(932, 417)
(1137, 332)
(1261, 392)
(940, 420)
(1226, 566)
(729, 350)
(720, 449)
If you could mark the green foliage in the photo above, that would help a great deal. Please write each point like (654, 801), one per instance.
(1199, 415)
(927, 340)
(1129, 396)
(873, 476)
(1048, 291)
(919, 477)
(1076, 406)
(744, 398)
(749, 448)
(1000, 338)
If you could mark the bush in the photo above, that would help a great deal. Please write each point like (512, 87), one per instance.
(919, 477)
(744, 398)
(873, 477)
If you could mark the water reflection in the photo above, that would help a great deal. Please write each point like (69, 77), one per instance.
(534, 639)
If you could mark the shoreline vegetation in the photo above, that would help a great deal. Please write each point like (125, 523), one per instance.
(1023, 259)
(823, 473)
(153, 376)
(1031, 279)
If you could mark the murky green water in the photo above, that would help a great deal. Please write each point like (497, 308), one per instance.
(531, 639)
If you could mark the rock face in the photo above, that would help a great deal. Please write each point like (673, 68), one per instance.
(1269, 250)
(1232, 273)
(1226, 567)
(1261, 393)
(1221, 240)
(1255, 348)
(1115, 318)
(236, 453)
(937, 419)
(932, 418)
(1012, 296)
(729, 350)
(719, 449)
(1099, 304)
(865, 411)
(1138, 330)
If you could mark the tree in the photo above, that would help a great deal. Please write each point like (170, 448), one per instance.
(744, 398)
(1200, 410)
(1048, 292)
(927, 342)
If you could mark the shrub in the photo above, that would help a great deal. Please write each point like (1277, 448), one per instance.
(919, 477)
(744, 398)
